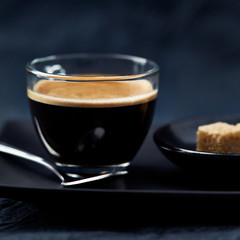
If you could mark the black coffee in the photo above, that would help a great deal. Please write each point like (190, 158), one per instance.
(92, 132)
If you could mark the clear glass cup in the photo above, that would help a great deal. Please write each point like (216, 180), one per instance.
(92, 111)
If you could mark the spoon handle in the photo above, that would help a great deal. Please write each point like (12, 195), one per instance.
(5, 148)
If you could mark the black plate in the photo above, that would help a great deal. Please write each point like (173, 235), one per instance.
(177, 141)
(152, 179)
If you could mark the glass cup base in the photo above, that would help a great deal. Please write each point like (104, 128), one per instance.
(79, 170)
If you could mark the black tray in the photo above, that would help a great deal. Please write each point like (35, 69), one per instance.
(152, 179)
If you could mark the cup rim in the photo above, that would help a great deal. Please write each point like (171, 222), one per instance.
(30, 67)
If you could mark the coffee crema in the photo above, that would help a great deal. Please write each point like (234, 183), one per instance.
(93, 94)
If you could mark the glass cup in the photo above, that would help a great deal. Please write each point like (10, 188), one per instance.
(92, 111)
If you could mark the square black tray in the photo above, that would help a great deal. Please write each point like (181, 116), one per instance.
(153, 183)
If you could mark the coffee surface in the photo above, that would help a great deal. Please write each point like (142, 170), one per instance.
(93, 94)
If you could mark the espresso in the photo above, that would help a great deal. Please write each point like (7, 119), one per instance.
(92, 123)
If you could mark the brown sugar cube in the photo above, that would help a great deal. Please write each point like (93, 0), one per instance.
(219, 137)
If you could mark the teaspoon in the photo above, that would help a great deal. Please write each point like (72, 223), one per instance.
(65, 180)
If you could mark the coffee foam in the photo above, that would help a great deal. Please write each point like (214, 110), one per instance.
(93, 94)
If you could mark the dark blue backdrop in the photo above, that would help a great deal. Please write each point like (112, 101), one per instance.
(196, 43)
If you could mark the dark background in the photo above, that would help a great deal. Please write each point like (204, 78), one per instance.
(196, 43)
